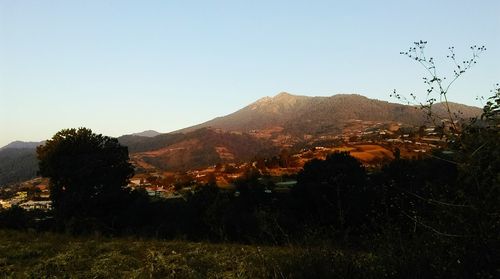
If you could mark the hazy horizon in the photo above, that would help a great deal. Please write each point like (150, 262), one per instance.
(120, 67)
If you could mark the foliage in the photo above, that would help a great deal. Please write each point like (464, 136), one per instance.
(335, 192)
(410, 191)
(491, 111)
(88, 175)
(478, 155)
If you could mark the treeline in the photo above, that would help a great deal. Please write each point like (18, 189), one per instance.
(420, 214)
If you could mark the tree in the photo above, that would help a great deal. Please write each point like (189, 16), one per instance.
(334, 191)
(88, 176)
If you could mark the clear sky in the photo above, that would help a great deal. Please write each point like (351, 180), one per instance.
(120, 67)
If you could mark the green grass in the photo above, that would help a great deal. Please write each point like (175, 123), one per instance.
(48, 255)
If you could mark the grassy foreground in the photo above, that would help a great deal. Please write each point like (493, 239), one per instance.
(48, 255)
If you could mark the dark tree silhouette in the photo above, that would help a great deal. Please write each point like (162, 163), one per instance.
(88, 174)
(334, 191)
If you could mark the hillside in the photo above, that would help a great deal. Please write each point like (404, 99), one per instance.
(141, 144)
(22, 145)
(200, 148)
(268, 125)
(17, 164)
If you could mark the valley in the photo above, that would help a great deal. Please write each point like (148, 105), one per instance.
(274, 136)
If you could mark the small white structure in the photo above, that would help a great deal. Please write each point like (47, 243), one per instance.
(32, 205)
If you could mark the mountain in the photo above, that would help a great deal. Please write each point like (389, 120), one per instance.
(264, 113)
(270, 124)
(261, 129)
(298, 115)
(23, 144)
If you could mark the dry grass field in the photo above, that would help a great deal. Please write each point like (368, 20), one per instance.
(49, 255)
(371, 153)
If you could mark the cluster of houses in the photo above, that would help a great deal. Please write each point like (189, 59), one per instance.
(156, 190)
(26, 202)
(413, 139)
(180, 185)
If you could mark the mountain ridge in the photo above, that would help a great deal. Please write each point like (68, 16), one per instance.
(294, 112)
(22, 144)
(146, 133)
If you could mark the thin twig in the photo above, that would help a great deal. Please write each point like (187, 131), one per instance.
(436, 201)
(435, 230)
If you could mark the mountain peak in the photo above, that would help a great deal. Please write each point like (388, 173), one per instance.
(147, 133)
(283, 95)
(278, 103)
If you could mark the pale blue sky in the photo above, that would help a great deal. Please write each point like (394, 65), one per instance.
(119, 67)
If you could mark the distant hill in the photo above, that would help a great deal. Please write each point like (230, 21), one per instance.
(200, 148)
(141, 144)
(316, 115)
(23, 144)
